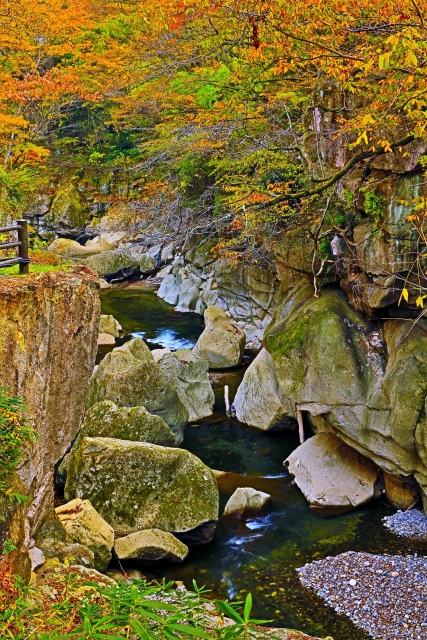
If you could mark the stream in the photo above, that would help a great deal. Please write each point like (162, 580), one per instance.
(258, 555)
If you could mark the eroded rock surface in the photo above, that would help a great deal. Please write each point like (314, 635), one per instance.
(364, 382)
(137, 486)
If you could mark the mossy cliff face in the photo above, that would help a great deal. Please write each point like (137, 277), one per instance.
(48, 341)
(367, 383)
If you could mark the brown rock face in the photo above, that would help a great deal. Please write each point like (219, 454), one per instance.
(48, 340)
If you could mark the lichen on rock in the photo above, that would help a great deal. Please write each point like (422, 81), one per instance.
(137, 486)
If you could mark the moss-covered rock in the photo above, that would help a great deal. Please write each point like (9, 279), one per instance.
(190, 377)
(67, 213)
(137, 486)
(365, 383)
(202, 254)
(130, 377)
(12, 530)
(107, 420)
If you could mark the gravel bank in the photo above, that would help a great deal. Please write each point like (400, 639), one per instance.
(384, 595)
(410, 524)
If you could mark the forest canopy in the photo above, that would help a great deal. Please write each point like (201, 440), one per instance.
(232, 118)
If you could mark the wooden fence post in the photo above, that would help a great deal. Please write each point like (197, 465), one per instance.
(24, 267)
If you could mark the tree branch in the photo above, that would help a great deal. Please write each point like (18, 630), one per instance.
(363, 155)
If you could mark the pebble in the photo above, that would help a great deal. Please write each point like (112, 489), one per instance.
(388, 599)
(411, 524)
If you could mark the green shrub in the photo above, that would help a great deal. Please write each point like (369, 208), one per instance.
(15, 434)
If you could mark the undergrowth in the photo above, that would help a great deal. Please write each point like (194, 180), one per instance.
(65, 607)
(16, 433)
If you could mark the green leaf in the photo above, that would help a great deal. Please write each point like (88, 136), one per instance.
(134, 592)
(140, 630)
(150, 614)
(228, 610)
(189, 631)
(248, 607)
(149, 604)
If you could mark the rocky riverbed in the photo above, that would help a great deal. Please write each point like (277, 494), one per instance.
(384, 595)
(410, 524)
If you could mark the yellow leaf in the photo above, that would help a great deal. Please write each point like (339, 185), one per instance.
(419, 301)
(368, 119)
(362, 137)
(412, 59)
(404, 295)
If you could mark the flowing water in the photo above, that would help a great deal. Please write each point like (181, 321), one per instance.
(258, 555)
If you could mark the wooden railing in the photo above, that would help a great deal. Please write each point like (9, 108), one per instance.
(22, 258)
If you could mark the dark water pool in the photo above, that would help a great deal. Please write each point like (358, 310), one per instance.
(142, 313)
(258, 555)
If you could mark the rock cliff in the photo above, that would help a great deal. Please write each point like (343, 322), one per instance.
(48, 341)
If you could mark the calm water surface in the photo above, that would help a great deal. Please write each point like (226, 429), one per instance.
(257, 555)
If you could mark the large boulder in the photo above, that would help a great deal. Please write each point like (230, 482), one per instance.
(130, 377)
(332, 474)
(127, 260)
(151, 545)
(106, 420)
(365, 382)
(137, 486)
(190, 377)
(83, 525)
(259, 401)
(222, 343)
(246, 502)
(71, 249)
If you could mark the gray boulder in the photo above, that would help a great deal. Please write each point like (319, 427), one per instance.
(129, 259)
(222, 343)
(138, 486)
(247, 502)
(332, 474)
(151, 545)
(259, 401)
(129, 377)
(189, 375)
